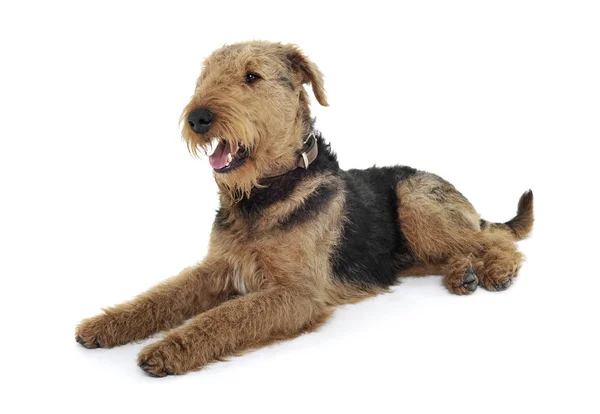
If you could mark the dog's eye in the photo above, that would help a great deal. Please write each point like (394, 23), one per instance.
(251, 77)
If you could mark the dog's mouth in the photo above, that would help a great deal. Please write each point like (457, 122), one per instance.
(227, 156)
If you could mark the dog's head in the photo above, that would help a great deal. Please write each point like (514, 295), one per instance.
(251, 105)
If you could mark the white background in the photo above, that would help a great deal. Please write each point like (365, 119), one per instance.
(100, 200)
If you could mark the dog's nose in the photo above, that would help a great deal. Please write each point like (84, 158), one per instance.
(200, 120)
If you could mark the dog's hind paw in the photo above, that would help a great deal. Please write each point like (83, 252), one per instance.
(499, 269)
(464, 285)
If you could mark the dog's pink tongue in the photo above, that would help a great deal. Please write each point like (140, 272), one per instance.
(218, 159)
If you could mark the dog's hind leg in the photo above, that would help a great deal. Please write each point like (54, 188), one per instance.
(441, 228)
(500, 261)
(165, 306)
(446, 234)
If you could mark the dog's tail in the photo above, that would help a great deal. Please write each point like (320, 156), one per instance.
(520, 225)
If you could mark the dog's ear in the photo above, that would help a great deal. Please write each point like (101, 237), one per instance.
(308, 71)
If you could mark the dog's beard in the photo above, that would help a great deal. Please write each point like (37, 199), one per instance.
(230, 154)
(234, 137)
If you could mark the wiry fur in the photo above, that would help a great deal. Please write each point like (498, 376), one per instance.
(252, 115)
(289, 244)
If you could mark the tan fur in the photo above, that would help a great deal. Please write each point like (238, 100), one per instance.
(163, 307)
(262, 281)
(270, 120)
(443, 230)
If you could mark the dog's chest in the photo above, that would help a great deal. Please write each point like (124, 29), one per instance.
(247, 273)
(259, 259)
(238, 281)
(247, 258)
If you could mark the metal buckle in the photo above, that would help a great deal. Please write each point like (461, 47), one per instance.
(311, 135)
(303, 153)
(305, 159)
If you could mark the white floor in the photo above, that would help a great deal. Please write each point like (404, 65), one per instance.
(99, 201)
(530, 348)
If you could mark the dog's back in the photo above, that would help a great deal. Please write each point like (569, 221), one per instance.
(372, 249)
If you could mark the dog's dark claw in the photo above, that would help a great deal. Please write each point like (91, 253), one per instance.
(471, 286)
(503, 286)
(469, 276)
(153, 375)
(470, 280)
(80, 340)
(146, 368)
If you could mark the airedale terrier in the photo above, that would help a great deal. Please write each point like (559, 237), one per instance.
(295, 235)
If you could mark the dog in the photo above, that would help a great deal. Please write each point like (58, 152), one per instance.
(295, 235)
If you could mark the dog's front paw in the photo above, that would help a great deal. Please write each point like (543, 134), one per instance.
(96, 332)
(161, 359)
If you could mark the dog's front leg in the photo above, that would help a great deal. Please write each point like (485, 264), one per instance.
(231, 328)
(165, 306)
